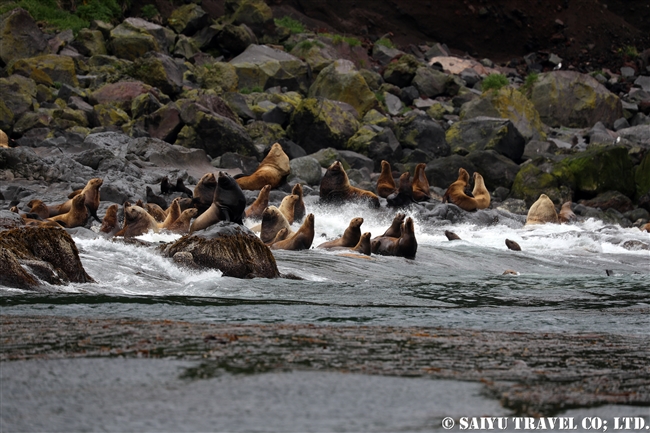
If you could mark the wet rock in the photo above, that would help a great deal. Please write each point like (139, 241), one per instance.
(610, 200)
(10, 220)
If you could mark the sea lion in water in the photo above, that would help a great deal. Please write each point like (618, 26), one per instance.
(256, 209)
(404, 246)
(301, 240)
(182, 223)
(39, 208)
(90, 191)
(228, 204)
(566, 215)
(137, 221)
(273, 170)
(335, 188)
(174, 212)
(512, 245)
(385, 183)
(287, 207)
(155, 211)
(350, 237)
(204, 192)
(363, 246)
(404, 194)
(110, 224)
(480, 192)
(456, 192)
(421, 191)
(542, 211)
(452, 236)
(299, 210)
(272, 222)
(76, 216)
(395, 229)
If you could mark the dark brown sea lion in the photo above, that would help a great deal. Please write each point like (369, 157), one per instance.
(363, 246)
(272, 222)
(350, 237)
(452, 236)
(204, 192)
(153, 198)
(395, 229)
(256, 209)
(281, 235)
(335, 188)
(76, 216)
(299, 210)
(566, 215)
(542, 211)
(404, 246)
(155, 211)
(39, 208)
(512, 245)
(228, 204)
(421, 190)
(301, 240)
(456, 192)
(287, 207)
(137, 221)
(480, 192)
(182, 223)
(273, 170)
(110, 224)
(404, 194)
(165, 186)
(90, 191)
(385, 183)
(180, 187)
(173, 213)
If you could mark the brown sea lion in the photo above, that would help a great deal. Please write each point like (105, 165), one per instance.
(39, 208)
(155, 211)
(273, 170)
(272, 222)
(566, 215)
(110, 224)
(153, 198)
(363, 246)
(281, 235)
(452, 236)
(174, 212)
(76, 216)
(287, 207)
(137, 221)
(255, 210)
(510, 272)
(139, 203)
(335, 188)
(404, 194)
(404, 246)
(182, 223)
(301, 240)
(512, 245)
(350, 237)
(542, 211)
(395, 229)
(480, 192)
(228, 204)
(204, 192)
(299, 210)
(645, 228)
(90, 191)
(421, 190)
(385, 183)
(4, 139)
(456, 192)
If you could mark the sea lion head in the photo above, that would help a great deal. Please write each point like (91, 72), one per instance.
(405, 186)
(272, 221)
(463, 175)
(356, 222)
(297, 190)
(278, 158)
(334, 183)
(95, 182)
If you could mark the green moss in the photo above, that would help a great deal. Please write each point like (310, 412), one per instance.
(294, 26)
(149, 11)
(248, 91)
(494, 82)
(308, 44)
(529, 82)
(385, 42)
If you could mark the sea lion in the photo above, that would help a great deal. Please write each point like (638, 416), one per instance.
(566, 215)
(255, 210)
(204, 192)
(645, 227)
(301, 240)
(110, 224)
(180, 187)
(421, 191)
(5, 141)
(395, 229)
(363, 246)
(404, 194)
(512, 245)
(39, 208)
(287, 207)
(480, 192)
(137, 221)
(542, 211)
(76, 216)
(155, 211)
(456, 192)
(335, 188)
(452, 236)
(299, 210)
(510, 272)
(350, 237)
(228, 204)
(272, 222)
(165, 186)
(182, 223)
(385, 183)
(281, 235)
(273, 170)
(90, 191)
(174, 212)
(404, 246)
(153, 198)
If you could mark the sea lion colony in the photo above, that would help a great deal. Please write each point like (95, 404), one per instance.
(219, 197)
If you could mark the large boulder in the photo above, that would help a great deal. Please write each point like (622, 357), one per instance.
(134, 37)
(307, 169)
(234, 39)
(637, 135)
(256, 14)
(321, 123)
(376, 142)
(18, 96)
(121, 94)
(59, 68)
(219, 76)
(165, 123)
(90, 43)
(315, 53)
(535, 178)
(20, 37)
(442, 172)
(188, 19)
(231, 248)
(507, 103)
(575, 100)
(496, 169)
(642, 176)
(341, 81)
(48, 254)
(431, 83)
(262, 67)
(484, 133)
(402, 72)
(159, 70)
(418, 131)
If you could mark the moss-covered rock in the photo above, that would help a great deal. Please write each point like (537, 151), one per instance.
(534, 179)
(33, 119)
(402, 72)
(431, 83)
(341, 81)
(377, 143)
(159, 70)
(59, 68)
(90, 43)
(484, 133)
(234, 39)
(67, 118)
(256, 14)
(216, 135)
(134, 37)
(185, 47)
(109, 115)
(121, 94)
(265, 133)
(262, 67)
(642, 177)
(188, 19)
(418, 131)
(20, 36)
(18, 94)
(317, 54)
(219, 76)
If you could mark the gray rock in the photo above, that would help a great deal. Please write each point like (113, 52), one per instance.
(430, 83)
(535, 148)
(442, 172)
(643, 82)
(264, 67)
(306, 168)
(496, 169)
(418, 131)
(627, 72)
(621, 123)
(393, 104)
(482, 133)
(356, 160)
(384, 54)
